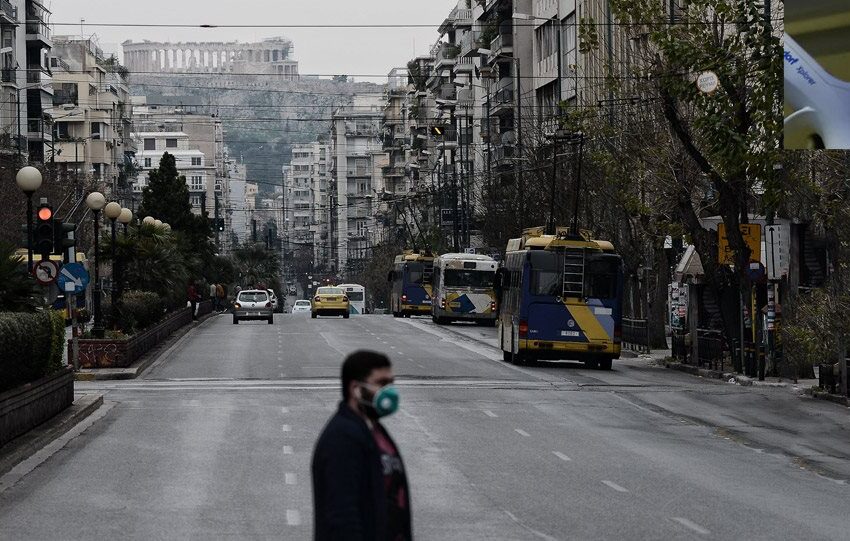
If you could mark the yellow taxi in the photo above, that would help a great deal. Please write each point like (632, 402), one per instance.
(329, 301)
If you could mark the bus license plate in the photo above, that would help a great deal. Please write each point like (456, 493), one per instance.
(426, 302)
(573, 334)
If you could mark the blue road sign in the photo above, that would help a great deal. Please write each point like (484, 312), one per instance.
(74, 274)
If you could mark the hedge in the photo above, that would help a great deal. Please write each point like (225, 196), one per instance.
(31, 346)
(139, 310)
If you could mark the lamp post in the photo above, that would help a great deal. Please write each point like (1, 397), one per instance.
(95, 202)
(113, 211)
(29, 180)
(125, 218)
(148, 220)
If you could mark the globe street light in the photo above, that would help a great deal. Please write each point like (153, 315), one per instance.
(148, 220)
(125, 218)
(113, 211)
(29, 180)
(157, 223)
(95, 202)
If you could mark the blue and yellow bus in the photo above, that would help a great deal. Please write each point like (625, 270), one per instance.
(561, 297)
(411, 284)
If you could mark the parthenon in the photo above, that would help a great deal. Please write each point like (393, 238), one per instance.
(270, 56)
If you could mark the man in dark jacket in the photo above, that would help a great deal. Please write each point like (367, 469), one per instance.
(360, 489)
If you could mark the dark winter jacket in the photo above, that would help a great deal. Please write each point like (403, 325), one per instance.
(349, 499)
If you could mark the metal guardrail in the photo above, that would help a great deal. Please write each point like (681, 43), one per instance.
(635, 334)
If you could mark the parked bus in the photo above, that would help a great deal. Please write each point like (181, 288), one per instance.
(561, 298)
(356, 298)
(464, 289)
(411, 284)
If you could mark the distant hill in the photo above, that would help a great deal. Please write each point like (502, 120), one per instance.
(262, 116)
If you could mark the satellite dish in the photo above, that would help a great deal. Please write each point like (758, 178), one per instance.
(509, 138)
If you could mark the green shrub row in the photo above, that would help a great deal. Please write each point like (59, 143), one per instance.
(139, 310)
(31, 346)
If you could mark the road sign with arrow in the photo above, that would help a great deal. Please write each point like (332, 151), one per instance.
(73, 275)
(45, 271)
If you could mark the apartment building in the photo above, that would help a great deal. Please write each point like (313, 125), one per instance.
(306, 200)
(92, 116)
(197, 142)
(26, 93)
(358, 159)
(237, 216)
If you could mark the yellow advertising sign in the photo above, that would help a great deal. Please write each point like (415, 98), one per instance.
(752, 236)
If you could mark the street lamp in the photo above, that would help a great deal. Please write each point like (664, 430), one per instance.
(95, 202)
(148, 220)
(29, 180)
(125, 218)
(113, 211)
(157, 223)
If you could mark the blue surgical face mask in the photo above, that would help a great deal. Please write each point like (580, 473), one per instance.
(384, 402)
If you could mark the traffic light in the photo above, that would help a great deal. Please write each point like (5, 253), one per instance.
(43, 236)
(220, 224)
(61, 240)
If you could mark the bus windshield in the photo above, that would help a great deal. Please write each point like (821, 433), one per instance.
(355, 295)
(468, 278)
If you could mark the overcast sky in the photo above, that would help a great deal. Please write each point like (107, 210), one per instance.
(353, 51)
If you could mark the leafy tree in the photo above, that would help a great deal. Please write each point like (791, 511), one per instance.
(166, 197)
(257, 266)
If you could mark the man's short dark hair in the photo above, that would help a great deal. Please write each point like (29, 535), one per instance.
(359, 365)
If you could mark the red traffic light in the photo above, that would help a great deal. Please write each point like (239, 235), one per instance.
(45, 213)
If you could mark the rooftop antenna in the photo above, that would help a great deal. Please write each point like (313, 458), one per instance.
(82, 35)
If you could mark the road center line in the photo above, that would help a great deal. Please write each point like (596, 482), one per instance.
(293, 517)
(522, 432)
(562, 456)
(691, 525)
(287, 449)
(284, 409)
(289, 478)
(615, 486)
(286, 428)
(489, 413)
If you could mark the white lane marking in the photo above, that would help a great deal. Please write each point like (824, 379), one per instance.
(287, 449)
(286, 428)
(293, 517)
(289, 478)
(284, 409)
(691, 525)
(541, 535)
(562, 456)
(615, 486)
(489, 413)
(522, 432)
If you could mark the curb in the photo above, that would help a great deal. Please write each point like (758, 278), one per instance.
(24, 446)
(133, 371)
(821, 395)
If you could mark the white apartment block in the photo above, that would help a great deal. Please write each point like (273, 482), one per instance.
(190, 162)
(358, 160)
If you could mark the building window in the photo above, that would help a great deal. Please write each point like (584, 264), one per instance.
(150, 144)
(196, 161)
(196, 182)
(171, 143)
(95, 130)
(195, 201)
(62, 130)
(147, 162)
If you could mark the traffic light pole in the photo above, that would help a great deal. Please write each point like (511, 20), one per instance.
(29, 231)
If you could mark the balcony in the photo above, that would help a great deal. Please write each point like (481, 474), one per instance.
(40, 76)
(360, 172)
(469, 44)
(446, 55)
(502, 45)
(502, 155)
(38, 32)
(39, 130)
(8, 13)
(459, 17)
(502, 101)
(391, 171)
(7, 76)
(464, 65)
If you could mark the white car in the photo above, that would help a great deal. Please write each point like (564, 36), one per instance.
(301, 307)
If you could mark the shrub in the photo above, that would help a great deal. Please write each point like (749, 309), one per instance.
(811, 331)
(30, 347)
(139, 310)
